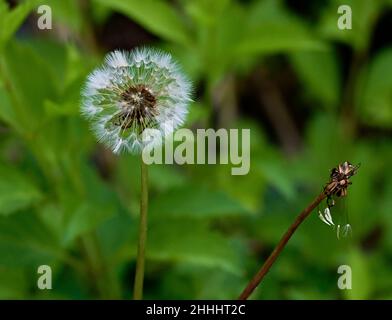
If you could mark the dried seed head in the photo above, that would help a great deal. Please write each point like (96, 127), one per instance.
(132, 92)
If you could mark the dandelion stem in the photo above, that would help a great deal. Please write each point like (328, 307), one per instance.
(280, 246)
(139, 276)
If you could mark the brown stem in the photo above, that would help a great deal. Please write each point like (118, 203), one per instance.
(278, 249)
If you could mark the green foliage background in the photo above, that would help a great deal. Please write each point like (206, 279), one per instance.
(67, 202)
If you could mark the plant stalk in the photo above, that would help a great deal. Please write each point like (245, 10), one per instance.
(280, 246)
(139, 276)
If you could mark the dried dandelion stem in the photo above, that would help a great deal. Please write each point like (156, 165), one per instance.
(280, 246)
(338, 184)
(139, 275)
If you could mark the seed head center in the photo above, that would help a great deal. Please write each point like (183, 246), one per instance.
(138, 107)
(138, 98)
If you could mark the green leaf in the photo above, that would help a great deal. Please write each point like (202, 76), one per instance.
(183, 280)
(174, 240)
(84, 219)
(11, 20)
(274, 172)
(7, 112)
(30, 83)
(194, 202)
(13, 283)
(17, 191)
(386, 203)
(157, 16)
(322, 133)
(375, 92)
(118, 237)
(274, 38)
(218, 43)
(25, 241)
(86, 213)
(165, 177)
(206, 12)
(271, 29)
(54, 57)
(192, 242)
(309, 66)
(67, 12)
(361, 277)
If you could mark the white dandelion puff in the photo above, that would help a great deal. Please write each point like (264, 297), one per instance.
(134, 91)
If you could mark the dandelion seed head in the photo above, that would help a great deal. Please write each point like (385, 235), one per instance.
(134, 91)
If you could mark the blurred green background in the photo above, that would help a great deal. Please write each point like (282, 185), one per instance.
(313, 96)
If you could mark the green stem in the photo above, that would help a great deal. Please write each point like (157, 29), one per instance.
(139, 276)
